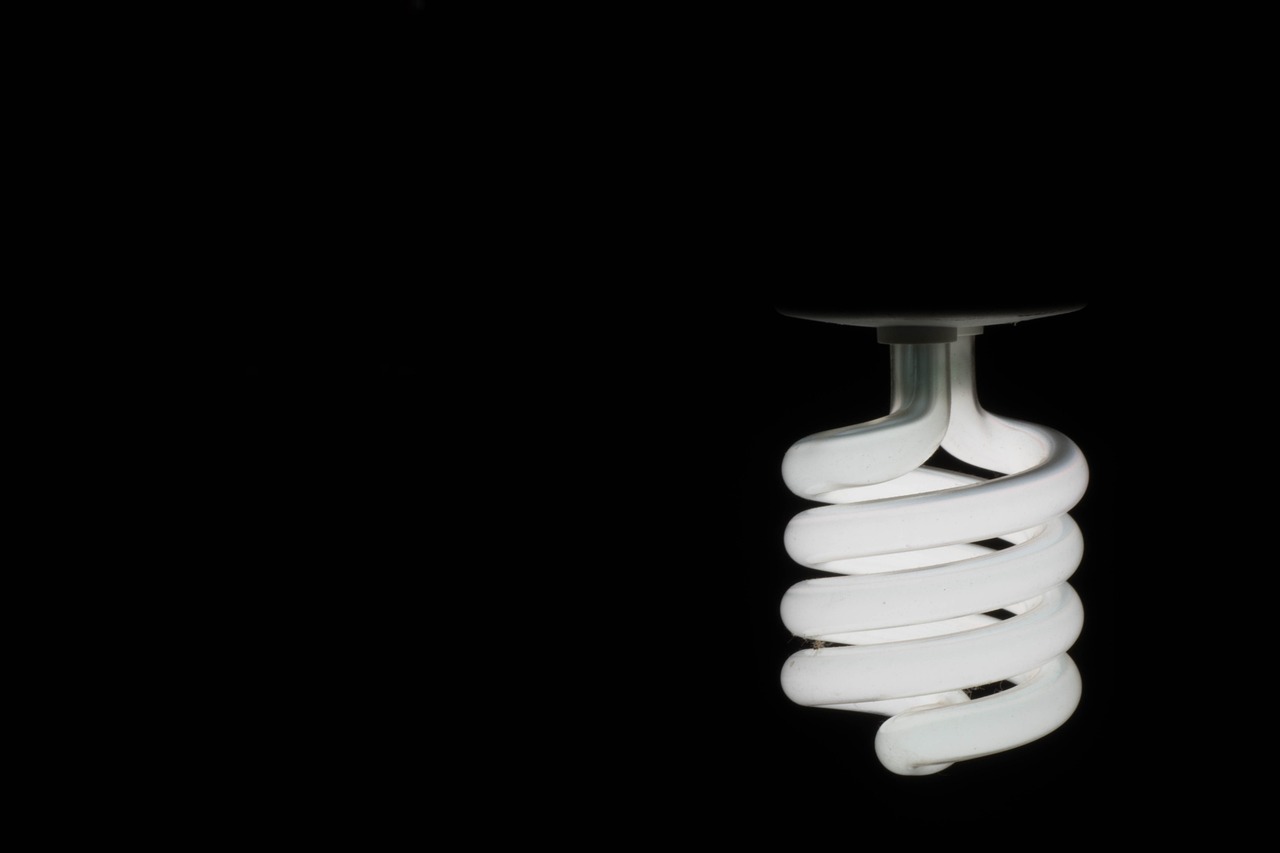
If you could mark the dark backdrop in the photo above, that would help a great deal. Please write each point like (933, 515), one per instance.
(472, 484)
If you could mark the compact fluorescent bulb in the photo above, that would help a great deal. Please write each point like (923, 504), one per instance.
(921, 623)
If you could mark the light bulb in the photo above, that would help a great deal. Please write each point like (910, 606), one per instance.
(949, 585)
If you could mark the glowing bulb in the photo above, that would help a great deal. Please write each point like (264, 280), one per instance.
(910, 628)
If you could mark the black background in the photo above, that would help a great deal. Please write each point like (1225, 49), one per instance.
(439, 482)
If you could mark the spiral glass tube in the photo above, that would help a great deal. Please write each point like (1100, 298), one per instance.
(909, 627)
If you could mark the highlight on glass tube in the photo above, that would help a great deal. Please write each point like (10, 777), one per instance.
(949, 610)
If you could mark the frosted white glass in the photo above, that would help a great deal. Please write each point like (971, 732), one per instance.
(912, 589)
(929, 739)
(882, 449)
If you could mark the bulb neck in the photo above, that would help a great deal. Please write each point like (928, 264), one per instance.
(924, 334)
